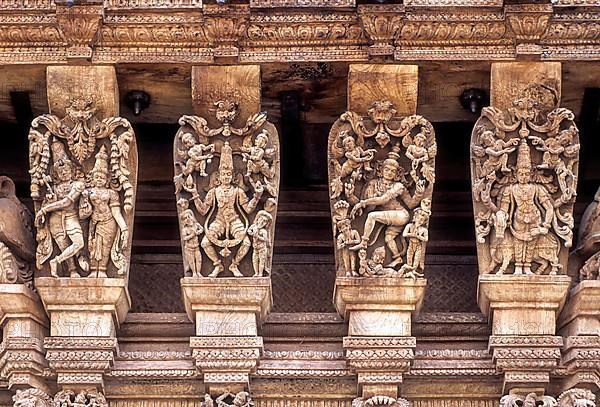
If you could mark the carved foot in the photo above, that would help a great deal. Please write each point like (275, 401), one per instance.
(101, 274)
(235, 270)
(218, 270)
(505, 169)
(74, 274)
(54, 268)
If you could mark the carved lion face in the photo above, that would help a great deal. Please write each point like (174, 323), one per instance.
(81, 110)
(382, 111)
(226, 110)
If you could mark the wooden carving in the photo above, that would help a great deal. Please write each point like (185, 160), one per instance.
(17, 244)
(83, 179)
(69, 398)
(584, 260)
(226, 184)
(524, 174)
(380, 401)
(381, 176)
(227, 399)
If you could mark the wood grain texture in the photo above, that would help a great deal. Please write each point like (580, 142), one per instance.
(370, 82)
(509, 79)
(66, 83)
(213, 83)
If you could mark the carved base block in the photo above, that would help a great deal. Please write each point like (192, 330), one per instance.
(24, 325)
(379, 306)
(84, 307)
(526, 361)
(80, 362)
(226, 361)
(227, 306)
(379, 360)
(581, 315)
(522, 304)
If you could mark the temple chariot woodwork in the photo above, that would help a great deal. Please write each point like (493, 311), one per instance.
(299, 203)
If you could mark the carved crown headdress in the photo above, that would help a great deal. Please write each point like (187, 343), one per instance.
(101, 164)
(226, 161)
(524, 156)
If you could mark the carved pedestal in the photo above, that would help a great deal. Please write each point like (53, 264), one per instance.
(24, 326)
(379, 312)
(579, 324)
(84, 317)
(227, 313)
(523, 310)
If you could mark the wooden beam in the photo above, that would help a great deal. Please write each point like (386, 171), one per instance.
(98, 83)
(509, 79)
(213, 83)
(370, 82)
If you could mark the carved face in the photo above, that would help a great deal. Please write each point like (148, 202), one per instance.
(419, 218)
(487, 138)
(378, 255)
(100, 178)
(389, 172)
(419, 140)
(63, 171)
(188, 218)
(349, 143)
(226, 111)
(261, 140)
(226, 176)
(523, 176)
(188, 140)
(382, 111)
(81, 110)
(240, 399)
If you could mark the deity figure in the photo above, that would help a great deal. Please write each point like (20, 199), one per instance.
(554, 149)
(190, 232)
(419, 154)
(371, 195)
(497, 152)
(62, 225)
(108, 232)
(259, 231)
(584, 260)
(227, 196)
(227, 228)
(417, 235)
(31, 397)
(391, 198)
(529, 207)
(346, 239)
(523, 202)
(255, 156)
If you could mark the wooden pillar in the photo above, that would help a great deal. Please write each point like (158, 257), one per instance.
(227, 284)
(85, 313)
(522, 286)
(379, 289)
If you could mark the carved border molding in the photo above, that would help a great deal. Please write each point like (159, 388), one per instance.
(144, 31)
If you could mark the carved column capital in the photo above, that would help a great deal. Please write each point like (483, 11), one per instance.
(382, 25)
(528, 22)
(224, 26)
(80, 26)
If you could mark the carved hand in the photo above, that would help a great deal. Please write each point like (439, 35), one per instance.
(124, 238)
(357, 210)
(40, 218)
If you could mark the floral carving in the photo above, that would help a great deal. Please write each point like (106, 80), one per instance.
(524, 171)
(529, 400)
(379, 169)
(79, 26)
(82, 183)
(215, 172)
(31, 397)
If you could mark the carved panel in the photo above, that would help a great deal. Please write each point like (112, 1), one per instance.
(381, 175)
(226, 185)
(83, 179)
(524, 171)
